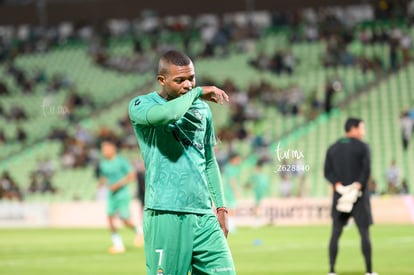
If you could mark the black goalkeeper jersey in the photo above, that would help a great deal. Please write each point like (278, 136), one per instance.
(348, 160)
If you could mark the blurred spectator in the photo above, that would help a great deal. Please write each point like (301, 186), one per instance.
(67, 160)
(21, 135)
(410, 11)
(3, 89)
(3, 138)
(404, 187)
(34, 186)
(58, 134)
(2, 111)
(83, 135)
(407, 124)
(300, 174)
(393, 54)
(45, 167)
(17, 113)
(405, 44)
(372, 186)
(393, 177)
(314, 105)
(46, 184)
(331, 88)
(286, 186)
(8, 188)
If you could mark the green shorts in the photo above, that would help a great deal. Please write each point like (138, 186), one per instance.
(181, 243)
(118, 206)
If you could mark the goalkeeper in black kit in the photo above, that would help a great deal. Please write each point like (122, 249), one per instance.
(347, 168)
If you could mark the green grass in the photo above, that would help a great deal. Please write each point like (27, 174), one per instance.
(268, 250)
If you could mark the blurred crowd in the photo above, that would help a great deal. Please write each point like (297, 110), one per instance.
(206, 36)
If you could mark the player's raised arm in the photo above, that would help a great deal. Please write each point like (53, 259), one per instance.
(141, 112)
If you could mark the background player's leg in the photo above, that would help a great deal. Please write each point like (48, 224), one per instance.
(125, 214)
(366, 247)
(333, 244)
(117, 243)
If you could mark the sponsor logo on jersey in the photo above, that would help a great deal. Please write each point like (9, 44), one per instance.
(197, 114)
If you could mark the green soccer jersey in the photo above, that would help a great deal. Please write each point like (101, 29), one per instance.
(260, 184)
(114, 170)
(174, 151)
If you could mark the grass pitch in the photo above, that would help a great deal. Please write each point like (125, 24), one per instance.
(267, 250)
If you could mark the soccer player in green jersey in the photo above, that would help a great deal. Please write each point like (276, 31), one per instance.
(116, 172)
(174, 129)
(231, 174)
(260, 182)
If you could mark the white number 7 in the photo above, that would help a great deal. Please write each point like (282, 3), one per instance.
(160, 257)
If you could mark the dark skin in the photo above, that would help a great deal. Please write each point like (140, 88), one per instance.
(177, 81)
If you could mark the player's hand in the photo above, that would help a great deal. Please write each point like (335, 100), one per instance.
(222, 217)
(338, 185)
(358, 185)
(214, 94)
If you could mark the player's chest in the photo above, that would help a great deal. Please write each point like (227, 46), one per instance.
(194, 120)
(110, 168)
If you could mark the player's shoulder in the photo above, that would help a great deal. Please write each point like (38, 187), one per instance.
(121, 158)
(359, 142)
(149, 98)
(202, 105)
(360, 145)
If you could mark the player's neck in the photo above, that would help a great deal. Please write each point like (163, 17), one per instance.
(163, 95)
(111, 157)
(350, 135)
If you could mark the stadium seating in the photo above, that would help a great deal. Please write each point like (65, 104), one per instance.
(378, 105)
(46, 110)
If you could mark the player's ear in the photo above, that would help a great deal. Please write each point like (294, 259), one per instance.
(161, 79)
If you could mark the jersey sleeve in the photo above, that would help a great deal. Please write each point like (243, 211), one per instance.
(214, 180)
(138, 109)
(126, 166)
(366, 166)
(144, 111)
(329, 172)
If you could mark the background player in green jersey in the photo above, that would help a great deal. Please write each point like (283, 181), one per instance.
(175, 133)
(260, 183)
(232, 183)
(116, 172)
